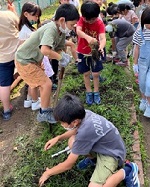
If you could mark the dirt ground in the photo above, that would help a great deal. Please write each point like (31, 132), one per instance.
(21, 124)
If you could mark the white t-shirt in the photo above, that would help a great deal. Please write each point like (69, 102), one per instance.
(25, 33)
(76, 3)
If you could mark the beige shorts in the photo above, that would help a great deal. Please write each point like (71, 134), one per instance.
(105, 167)
(32, 74)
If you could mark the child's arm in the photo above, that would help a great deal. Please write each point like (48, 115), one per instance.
(82, 34)
(135, 61)
(102, 39)
(47, 51)
(136, 54)
(61, 137)
(60, 168)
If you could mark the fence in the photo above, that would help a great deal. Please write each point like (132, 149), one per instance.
(19, 3)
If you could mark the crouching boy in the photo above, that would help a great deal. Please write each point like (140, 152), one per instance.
(89, 132)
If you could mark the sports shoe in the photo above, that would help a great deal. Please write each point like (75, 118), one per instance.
(132, 179)
(97, 99)
(7, 115)
(121, 63)
(46, 116)
(83, 164)
(27, 103)
(54, 86)
(89, 98)
(142, 105)
(147, 111)
(36, 105)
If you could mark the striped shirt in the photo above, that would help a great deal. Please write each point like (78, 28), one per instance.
(137, 38)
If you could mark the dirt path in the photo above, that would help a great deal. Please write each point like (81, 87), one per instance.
(20, 124)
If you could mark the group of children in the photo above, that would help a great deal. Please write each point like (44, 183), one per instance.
(87, 132)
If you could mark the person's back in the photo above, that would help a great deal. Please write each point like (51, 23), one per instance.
(9, 40)
(99, 135)
(123, 28)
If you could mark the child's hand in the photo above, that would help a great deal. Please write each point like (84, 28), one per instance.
(91, 40)
(51, 143)
(11, 7)
(44, 177)
(101, 50)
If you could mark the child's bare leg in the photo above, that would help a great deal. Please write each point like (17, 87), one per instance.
(87, 81)
(34, 93)
(5, 97)
(45, 93)
(96, 81)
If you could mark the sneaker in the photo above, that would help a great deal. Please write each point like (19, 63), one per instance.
(142, 105)
(132, 179)
(36, 105)
(46, 116)
(89, 98)
(121, 63)
(27, 103)
(147, 111)
(54, 87)
(7, 115)
(97, 99)
(83, 164)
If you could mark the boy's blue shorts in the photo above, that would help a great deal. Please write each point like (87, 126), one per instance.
(6, 73)
(86, 64)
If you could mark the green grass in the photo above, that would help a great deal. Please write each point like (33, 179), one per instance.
(117, 98)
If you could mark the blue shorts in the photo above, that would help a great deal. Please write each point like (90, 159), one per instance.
(86, 64)
(6, 73)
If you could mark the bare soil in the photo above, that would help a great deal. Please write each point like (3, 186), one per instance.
(20, 124)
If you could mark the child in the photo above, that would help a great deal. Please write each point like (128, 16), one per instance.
(67, 44)
(128, 14)
(141, 39)
(49, 40)
(122, 31)
(9, 41)
(31, 15)
(89, 132)
(90, 29)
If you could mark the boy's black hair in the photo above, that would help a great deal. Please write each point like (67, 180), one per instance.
(30, 8)
(145, 18)
(112, 9)
(104, 13)
(68, 11)
(68, 109)
(123, 7)
(89, 10)
(136, 3)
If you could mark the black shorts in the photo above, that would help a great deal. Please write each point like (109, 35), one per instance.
(6, 73)
(86, 64)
